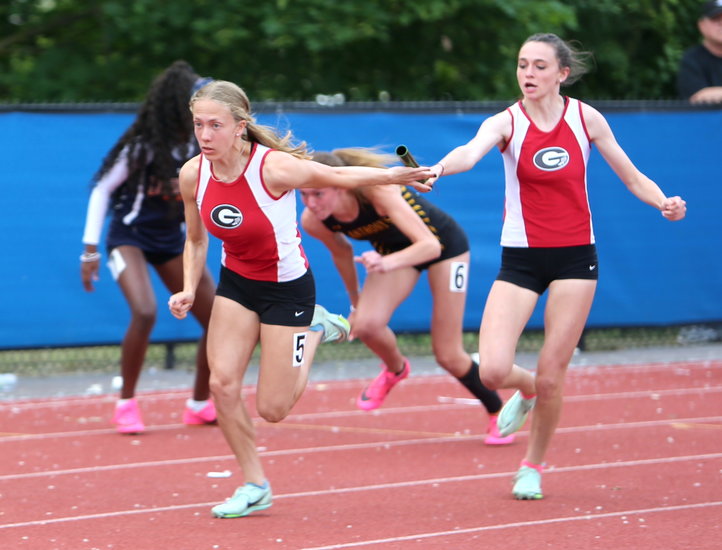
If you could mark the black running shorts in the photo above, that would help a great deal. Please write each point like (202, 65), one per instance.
(536, 268)
(288, 304)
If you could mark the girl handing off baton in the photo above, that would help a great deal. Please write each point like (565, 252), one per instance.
(547, 237)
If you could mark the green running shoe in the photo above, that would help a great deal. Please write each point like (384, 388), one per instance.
(246, 499)
(514, 414)
(335, 327)
(527, 484)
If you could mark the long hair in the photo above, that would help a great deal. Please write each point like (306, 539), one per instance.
(232, 96)
(356, 156)
(161, 124)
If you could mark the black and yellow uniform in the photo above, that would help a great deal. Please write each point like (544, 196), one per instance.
(386, 238)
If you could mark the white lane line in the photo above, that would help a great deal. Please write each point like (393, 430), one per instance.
(323, 449)
(395, 485)
(444, 404)
(533, 523)
(575, 372)
(289, 422)
(650, 394)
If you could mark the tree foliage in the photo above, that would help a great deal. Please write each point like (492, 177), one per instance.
(109, 50)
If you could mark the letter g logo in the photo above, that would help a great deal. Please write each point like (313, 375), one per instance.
(226, 216)
(551, 158)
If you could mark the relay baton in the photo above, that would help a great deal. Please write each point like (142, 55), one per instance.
(408, 159)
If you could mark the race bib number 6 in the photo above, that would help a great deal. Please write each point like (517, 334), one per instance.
(458, 276)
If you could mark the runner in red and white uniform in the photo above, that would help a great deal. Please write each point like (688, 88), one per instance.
(547, 237)
(241, 189)
(546, 184)
(260, 239)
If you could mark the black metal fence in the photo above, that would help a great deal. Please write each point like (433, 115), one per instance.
(181, 355)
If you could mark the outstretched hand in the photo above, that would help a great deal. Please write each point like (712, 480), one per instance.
(674, 208)
(417, 178)
(436, 173)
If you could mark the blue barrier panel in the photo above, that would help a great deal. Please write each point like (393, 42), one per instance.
(652, 272)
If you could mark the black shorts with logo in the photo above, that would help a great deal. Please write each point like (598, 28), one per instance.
(288, 304)
(536, 268)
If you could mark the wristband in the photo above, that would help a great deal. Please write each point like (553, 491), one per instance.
(86, 257)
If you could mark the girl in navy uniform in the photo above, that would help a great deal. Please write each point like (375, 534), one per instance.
(138, 183)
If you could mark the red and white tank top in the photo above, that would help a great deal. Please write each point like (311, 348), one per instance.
(546, 202)
(259, 232)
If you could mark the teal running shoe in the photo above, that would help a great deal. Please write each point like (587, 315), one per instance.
(527, 484)
(247, 499)
(335, 327)
(514, 414)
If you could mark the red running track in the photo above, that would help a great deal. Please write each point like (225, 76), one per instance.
(636, 463)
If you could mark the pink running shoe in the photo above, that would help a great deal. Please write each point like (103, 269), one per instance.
(207, 415)
(374, 394)
(493, 437)
(127, 418)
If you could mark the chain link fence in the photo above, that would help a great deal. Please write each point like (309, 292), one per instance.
(181, 355)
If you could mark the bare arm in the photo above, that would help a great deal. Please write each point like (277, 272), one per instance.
(283, 172)
(196, 245)
(387, 201)
(340, 249)
(672, 208)
(494, 131)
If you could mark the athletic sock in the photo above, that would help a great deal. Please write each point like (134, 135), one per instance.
(489, 398)
(537, 467)
(196, 406)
